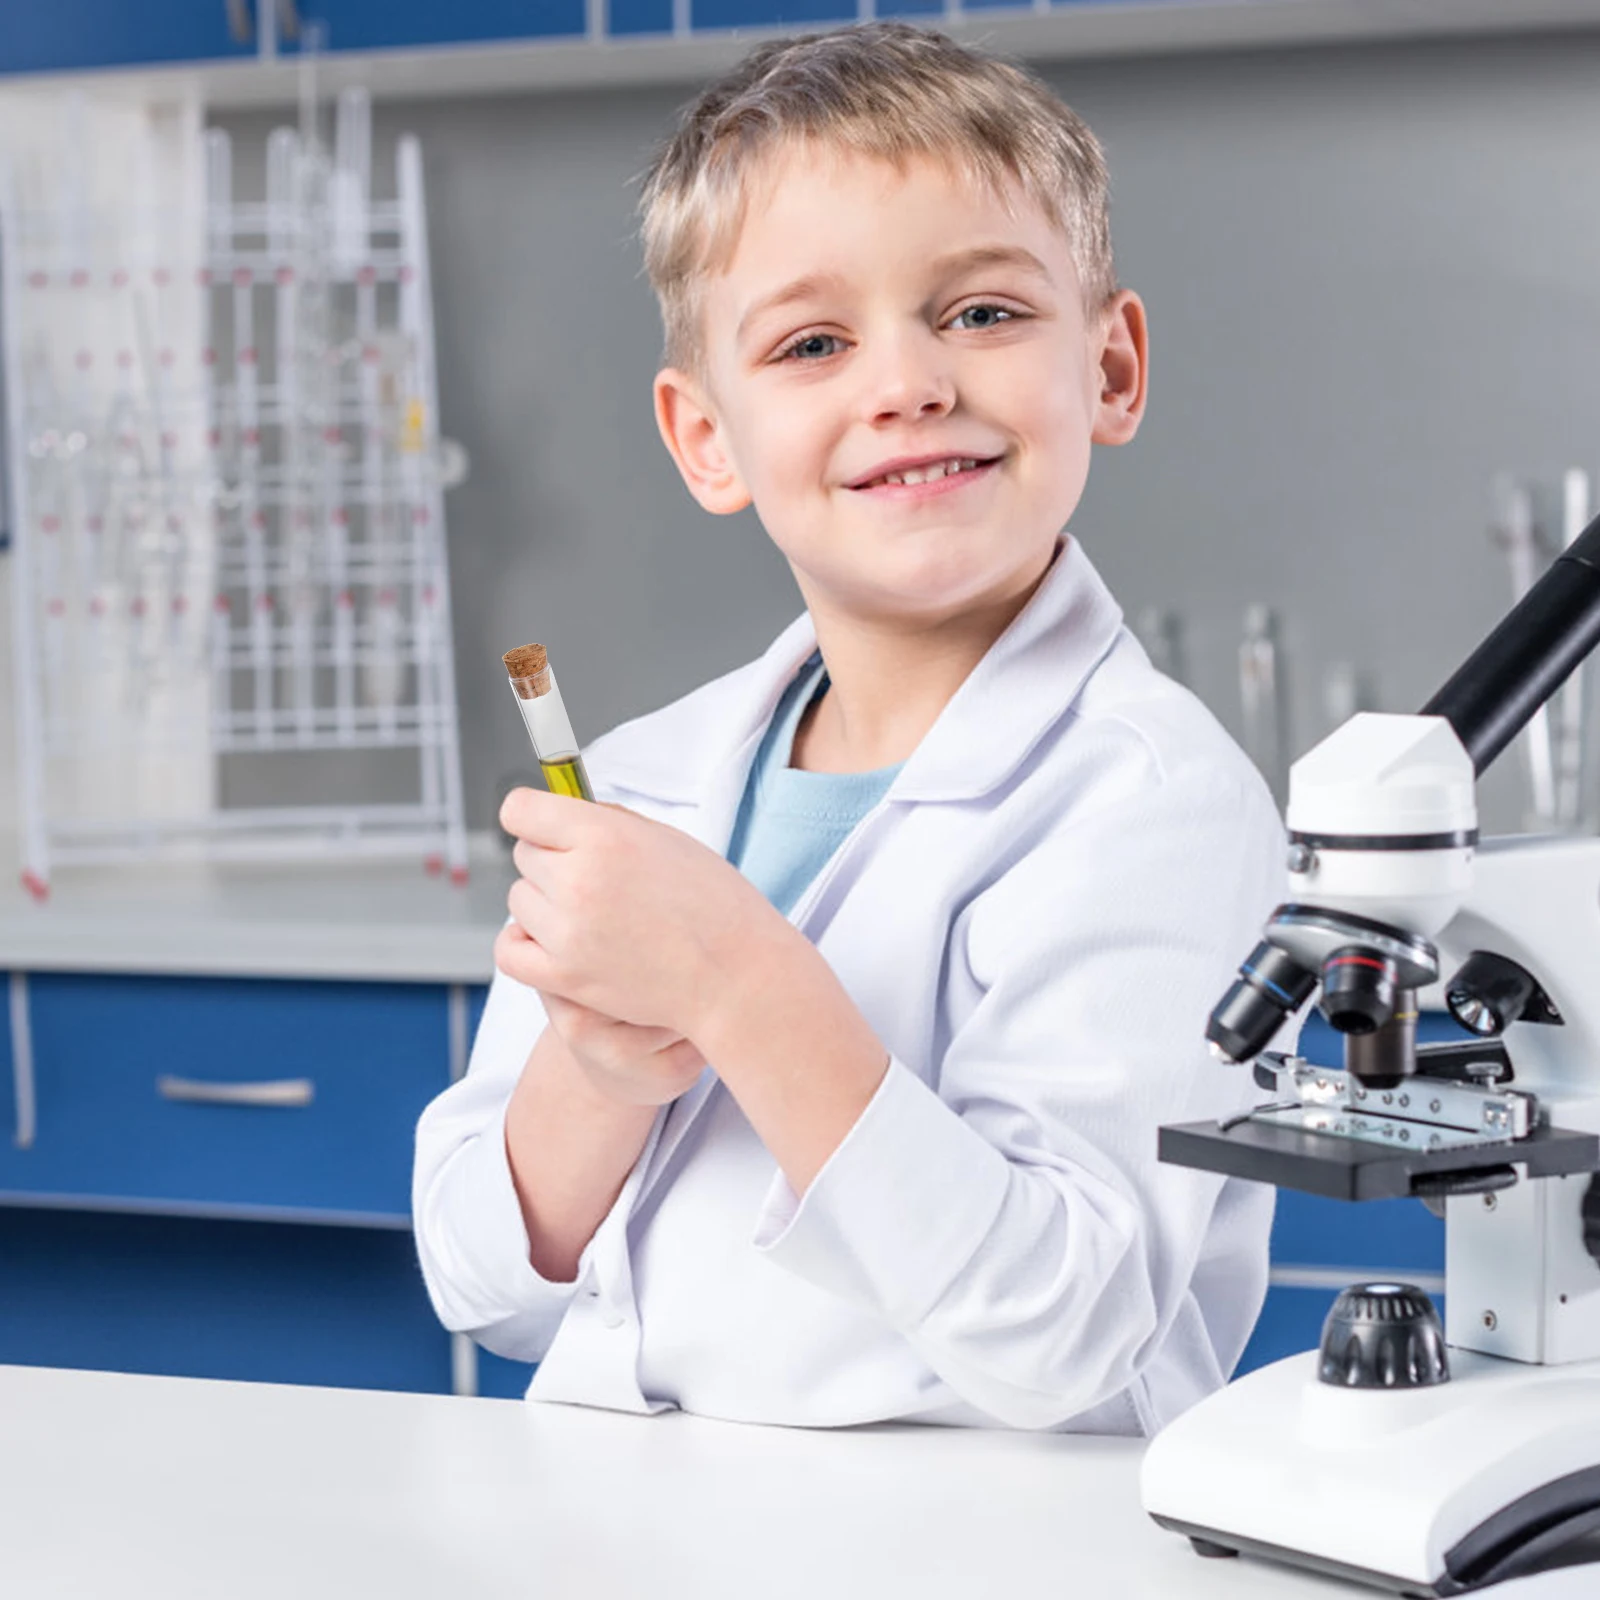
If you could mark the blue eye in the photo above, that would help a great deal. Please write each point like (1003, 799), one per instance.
(981, 316)
(813, 347)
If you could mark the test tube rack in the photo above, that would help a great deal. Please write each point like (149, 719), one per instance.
(225, 489)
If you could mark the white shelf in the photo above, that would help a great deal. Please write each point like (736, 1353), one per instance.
(1087, 30)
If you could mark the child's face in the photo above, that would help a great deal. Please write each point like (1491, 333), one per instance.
(876, 323)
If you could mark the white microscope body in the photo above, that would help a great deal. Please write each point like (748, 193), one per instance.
(1376, 1466)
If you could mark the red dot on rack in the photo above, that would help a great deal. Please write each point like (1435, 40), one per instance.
(162, 277)
(95, 524)
(367, 275)
(252, 437)
(221, 605)
(331, 436)
(203, 277)
(247, 356)
(340, 517)
(126, 441)
(57, 608)
(97, 607)
(419, 514)
(433, 865)
(346, 600)
(406, 274)
(209, 356)
(258, 519)
(138, 606)
(38, 280)
(50, 523)
(84, 360)
(119, 279)
(79, 279)
(166, 358)
(427, 594)
(285, 274)
(214, 437)
(243, 277)
(370, 355)
(264, 603)
(124, 358)
(180, 603)
(459, 875)
(169, 441)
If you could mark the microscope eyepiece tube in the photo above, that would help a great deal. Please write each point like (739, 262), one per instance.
(1495, 692)
(545, 717)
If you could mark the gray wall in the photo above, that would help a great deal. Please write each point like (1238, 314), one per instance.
(1374, 281)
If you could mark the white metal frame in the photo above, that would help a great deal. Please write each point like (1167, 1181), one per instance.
(292, 595)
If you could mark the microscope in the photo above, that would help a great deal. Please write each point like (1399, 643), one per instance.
(1423, 1458)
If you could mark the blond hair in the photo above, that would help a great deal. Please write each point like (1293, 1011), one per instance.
(883, 89)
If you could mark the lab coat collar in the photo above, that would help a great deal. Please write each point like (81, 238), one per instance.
(693, 751)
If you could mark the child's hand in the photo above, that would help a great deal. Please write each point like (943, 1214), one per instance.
(624, 916)
(638, 1066)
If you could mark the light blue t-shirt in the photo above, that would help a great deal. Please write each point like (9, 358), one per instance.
(790, 822)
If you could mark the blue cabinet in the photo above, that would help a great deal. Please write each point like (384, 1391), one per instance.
(229, 1095)
(69, 35)
(401, 24)
(74, 35)
(154, 1224)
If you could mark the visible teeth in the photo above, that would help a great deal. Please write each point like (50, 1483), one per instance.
(932, 473)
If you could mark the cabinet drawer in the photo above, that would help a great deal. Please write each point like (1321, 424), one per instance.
(132, 1074)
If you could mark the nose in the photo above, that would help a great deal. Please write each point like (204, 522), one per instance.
(910, 379)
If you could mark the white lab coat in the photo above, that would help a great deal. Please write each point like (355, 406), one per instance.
(1036, 920)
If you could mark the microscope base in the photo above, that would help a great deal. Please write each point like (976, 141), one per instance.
(1427, 1492)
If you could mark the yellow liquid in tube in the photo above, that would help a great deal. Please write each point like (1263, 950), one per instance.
(567, 777)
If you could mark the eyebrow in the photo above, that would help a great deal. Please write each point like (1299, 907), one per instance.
(986, 255)
(800, 289)
(990, 255)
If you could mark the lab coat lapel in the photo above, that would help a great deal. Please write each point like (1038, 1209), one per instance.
(1021, 688)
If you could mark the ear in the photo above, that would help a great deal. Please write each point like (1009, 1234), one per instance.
(1124, 369)
(693, 438)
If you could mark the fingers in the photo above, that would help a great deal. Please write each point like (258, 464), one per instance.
(552, 820)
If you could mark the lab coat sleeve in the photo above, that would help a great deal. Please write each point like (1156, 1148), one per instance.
(1002, 1207)
(471, 1239)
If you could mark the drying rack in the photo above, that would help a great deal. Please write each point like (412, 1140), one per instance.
(226, 501)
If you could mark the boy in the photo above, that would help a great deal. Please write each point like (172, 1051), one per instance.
(942, 887)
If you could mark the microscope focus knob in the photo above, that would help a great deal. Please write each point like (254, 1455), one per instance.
(1383, 1336)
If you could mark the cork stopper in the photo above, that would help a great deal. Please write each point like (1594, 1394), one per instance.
(528, 667)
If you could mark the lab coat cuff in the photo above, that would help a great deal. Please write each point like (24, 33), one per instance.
(898, 1209)
(497, 1240)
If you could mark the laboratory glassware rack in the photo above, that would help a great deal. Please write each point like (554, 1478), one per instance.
(225, 484)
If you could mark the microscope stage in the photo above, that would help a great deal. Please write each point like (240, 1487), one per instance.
(1359, 1169)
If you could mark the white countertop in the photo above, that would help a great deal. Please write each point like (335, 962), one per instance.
(184, 1489)
(363, 919)
(178, 1488)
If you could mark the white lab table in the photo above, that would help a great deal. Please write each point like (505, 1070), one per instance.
(184, 1489)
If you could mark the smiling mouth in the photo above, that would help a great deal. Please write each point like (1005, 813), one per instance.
(931, 472)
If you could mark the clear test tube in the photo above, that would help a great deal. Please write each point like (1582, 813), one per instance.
(539, 700)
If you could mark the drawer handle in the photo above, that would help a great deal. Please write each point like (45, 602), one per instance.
(278, 1092)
